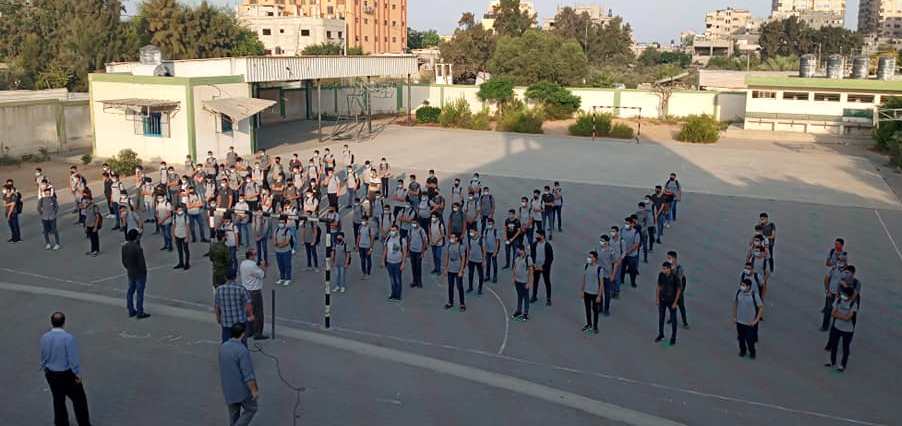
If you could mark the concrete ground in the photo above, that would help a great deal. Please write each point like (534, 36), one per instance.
(415, 363)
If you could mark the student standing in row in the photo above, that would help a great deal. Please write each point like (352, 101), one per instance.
(393, 257)
(366, 234)
(475, 248)
(513, 236)
(542, 254)
(492, 245)
(666, 296)
(832, 288)
(607, 261)
(591, 289)
(180, 226)
(520, 274)
(12, 200)
(252, 281)
(680, 274)
(843, 328)
(769, 230)
(747, 312)
(48, 209)
(455, 259)
(418, 241)
(93, 222)
(341, 260)
(282, 247)
(436, 242)
(311, 236)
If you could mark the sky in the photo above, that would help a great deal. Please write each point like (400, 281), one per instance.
(652, 20)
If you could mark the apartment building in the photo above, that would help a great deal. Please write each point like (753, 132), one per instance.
(723, 24)
(488, 19)
(596, 13)
(288, 35)
(880, 18)
(816, 13)
(376, 26)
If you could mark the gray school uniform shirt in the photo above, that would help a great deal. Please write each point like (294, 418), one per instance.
(745, 306)
(456, 254)
(490, 237)
(630, 238)
(487, 204)
(540, 253)
(394, 246)
(180, 225)
(366, 235)
(521, 268)
(617, 246)
(591, 278)
(341, 254)
(845, 307)
(417, 240)
(474, 249)
(283, 235)
(606, 259)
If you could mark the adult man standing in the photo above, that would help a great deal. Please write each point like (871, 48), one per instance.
(232, 306)
(136, 269)
(252, 281)
(543, 255)
(60, 362)
(666, 296)
(239, 384)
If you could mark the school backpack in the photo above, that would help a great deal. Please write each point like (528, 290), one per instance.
(18, 206)
(99, 218)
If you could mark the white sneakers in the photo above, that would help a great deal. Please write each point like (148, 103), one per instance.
(56, 247)
(47, 247)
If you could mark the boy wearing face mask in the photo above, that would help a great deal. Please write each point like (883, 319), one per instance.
(843, 328)
(558, 194)
(455, 259)
(513, 236)
(617, 248)
(591, 291)
(384, 173)
(194, 207)
(180, 226)
(341, 260)
(242, 220)
(282, 247)
(832, 287)
(310, 234)
(471, 211)
(436, 242)
(492, 246)
(486, 206)
(475, 248)
(525, 217)
(632, 239)
(537, 210)
(542, 253)
(457, 192)
(431, 184)
(758, 258)
(666, 296)
(352, 183)
(680, 274)
(548, 211)
(393, 257)
(607, 262)
(417, 243)
(747, 311)
(261, 226)
(164, 220)
(522, 270)
(749, 274)
(769, 230)
(366, 235)
(456, 221)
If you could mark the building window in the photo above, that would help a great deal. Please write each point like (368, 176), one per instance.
(394, 39)
(366, 38)
(225, 124)
(864, 99)
(394, 23)
(858, 113)
(330, 10)
(393, 7)
(281, 30)
(764, 94)
(267, 31)
(305, 33)
(267, 52)
(340, 35)
(328, 34)
(826, 97)
(366, 21)
(153, 124)
(795, 96)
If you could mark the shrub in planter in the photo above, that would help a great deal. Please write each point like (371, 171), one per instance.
(622, 131)
(700, 129)
(125, 163)
(482, 120)
(522, 121)
(456, 114)
(428, 114)
(583, 125)
(558, 102)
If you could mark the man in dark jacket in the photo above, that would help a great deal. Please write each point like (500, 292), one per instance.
(666, 296)
(133, 262)
(543, 255)
(220, 258)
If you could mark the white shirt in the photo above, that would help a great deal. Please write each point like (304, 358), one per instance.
(251, 275)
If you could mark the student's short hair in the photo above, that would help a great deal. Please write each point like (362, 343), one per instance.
(231, 274)
(605, 237)
(657, 186)
(667, 265)
(485, 188)
(763, 214)
(642, 204)
(557, 183)
(250, 253)
(749, 264)
(850, 268)
(412, 176)
(758, 237)
(547, 187)
(747, 282)
(672, 254)
(430, 170)
(524, 199)
(848, 291)
(512, 211)
(841, 241)
(237, 330)
(132, 235)
(540, 232)
(57, 319)
(594, 254)
(615, 228)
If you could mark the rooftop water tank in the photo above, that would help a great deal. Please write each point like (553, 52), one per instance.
(807, 66)
(860, 67)
(835, 67)
(886, 68)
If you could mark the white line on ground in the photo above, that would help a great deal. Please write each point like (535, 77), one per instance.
(183, 313)
(123, 275)
(507, 321)
(888, 235)
(45, 277)
(476, 375)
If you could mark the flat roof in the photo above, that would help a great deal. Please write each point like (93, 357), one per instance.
(826, 83)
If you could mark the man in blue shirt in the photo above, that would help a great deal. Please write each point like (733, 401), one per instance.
(239, 384)
(232, 305)
(59, 360)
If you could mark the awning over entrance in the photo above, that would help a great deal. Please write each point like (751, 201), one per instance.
(141, 105)
(237, 108)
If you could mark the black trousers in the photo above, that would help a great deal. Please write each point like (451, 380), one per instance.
(477, 267)
(662, 307)
(62, 386)
(333, 200)
(546, 277)
(681, 304)
(181, 244)
(827, 310)
(257, 306)
(455, 281)
(747, 336)
(833, 344)
(94, 239)
(592, 309)
(416, 268)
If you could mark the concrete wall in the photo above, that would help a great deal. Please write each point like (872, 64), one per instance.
(780, 106)
(731, 106)
(207, 125)
(117, 132)
(58, 126)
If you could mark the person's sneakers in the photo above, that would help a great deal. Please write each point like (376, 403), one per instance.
(47, 247)
(293, 251)
(463, 307)
(752, 355)
(586, 328)
(56, 247)
(479, 293)
(187, 267)
(279, 282)
(840, 369)
(658, 242)
(132, 314)
(286, 283)
(110, 216)
(525, 317)
(179, 266)
(505, 267)
(469, 290)
(673, 342)
(516, 315)
(742, 354)
(548, 302)
(143, 315)
(394, 299)
(336, 289)
(534, 300)
(261, 337)
(659, 338)
(594, 331)
(448, 306)
(95, 253)
(667, 225)
(343, 289)
(685, 326)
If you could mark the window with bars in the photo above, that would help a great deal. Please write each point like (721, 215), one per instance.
(225, 124)
(152, 124)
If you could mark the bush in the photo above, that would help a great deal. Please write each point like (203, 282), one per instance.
(86, 159)
(522, 120)
(482, 120)
(583, 125)
(700, 129)
(428, 114)
(456, 114)
(557, 102)
(498, 89)
(42, 156)
(622, 131)
(125, 163)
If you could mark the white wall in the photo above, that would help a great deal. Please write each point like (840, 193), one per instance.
(206, 123)
(77, 117)
(114, 132)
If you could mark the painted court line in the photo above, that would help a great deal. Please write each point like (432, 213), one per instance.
(507, 321)
(888, 235)
(291, 333)
(476, 375)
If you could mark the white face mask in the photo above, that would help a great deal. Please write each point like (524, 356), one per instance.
(844, 297)
(748, 271)
(745, 288)
(588, 260)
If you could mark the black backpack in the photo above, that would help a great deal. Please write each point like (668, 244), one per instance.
(19, 203)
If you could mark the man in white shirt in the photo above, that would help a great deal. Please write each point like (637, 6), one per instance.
(252, 281)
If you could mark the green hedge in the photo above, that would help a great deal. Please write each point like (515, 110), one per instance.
(456, 114)
(700, 129)
(522, 121)
(583, 125)
(622, 131)
(482, 120)
(557, 102)
(125, 163)
(428, 114)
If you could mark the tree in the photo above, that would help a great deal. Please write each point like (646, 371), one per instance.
(510, 20)
(792, 37)
(166, 20)
(557, 102)
(650, 56)
(422, 39)
(469, 49)
(602, 44)
(498, 89)
(538, 56)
